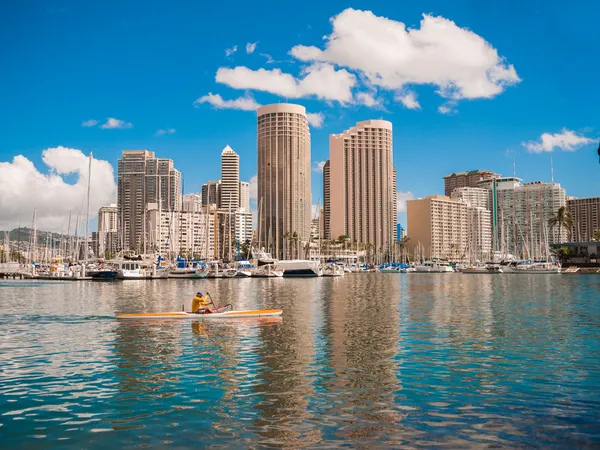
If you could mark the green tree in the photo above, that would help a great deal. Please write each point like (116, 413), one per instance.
(563, 218)
(596, 235)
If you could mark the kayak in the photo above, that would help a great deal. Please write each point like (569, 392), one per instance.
(217, 315)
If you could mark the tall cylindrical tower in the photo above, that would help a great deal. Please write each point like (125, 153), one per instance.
(284, 191)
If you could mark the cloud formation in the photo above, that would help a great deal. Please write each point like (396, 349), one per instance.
(408, 99)
(166, 131)
(112, 123)
(250, 47)
(459, 62)
(89, 123)
(230, 51)
(367, 99)
(23, 188)
(318, 167)
(566, 140)
(319, 80)
(315, 119)
(401, 198)
(246, 103)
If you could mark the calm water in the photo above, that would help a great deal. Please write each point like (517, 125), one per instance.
(382, 360)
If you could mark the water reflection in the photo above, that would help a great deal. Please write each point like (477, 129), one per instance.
(363, 361)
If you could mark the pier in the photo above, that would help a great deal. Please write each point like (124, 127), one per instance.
(15, 271)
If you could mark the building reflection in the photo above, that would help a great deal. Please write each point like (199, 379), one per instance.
(362, 327)
(286, 374)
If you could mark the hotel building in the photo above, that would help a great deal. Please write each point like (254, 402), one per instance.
(230, 179)
(284, 191)
(466, 179)
(360, 199)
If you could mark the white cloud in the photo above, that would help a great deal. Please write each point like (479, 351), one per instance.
(367, 99)
(270, 59)
(320, 80)
(253, 187)
(459, 62)
(112, 123)
(230, 51)
(408, 99)
(566, 140)
(246, 103)
(319, 166)
(315, 119)
(447, 108)
(89, 123)
(250, 47)
(401, 198)
(23, 188)
(166, 131)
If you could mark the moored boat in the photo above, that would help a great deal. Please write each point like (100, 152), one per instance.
(300, 268)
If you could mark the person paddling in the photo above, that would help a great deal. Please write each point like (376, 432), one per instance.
(200, 303)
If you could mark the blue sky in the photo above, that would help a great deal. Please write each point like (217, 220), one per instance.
(146, 63)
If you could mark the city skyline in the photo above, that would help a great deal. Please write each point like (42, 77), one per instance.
(540, 100)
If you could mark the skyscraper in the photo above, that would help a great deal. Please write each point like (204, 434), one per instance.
(284, 196)
(107, 230)
(245, 195)
(586, 218)
(140, 178)
(361, 185)
(326, 201)
(230, 179)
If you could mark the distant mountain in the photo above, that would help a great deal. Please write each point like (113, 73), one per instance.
(24, 234)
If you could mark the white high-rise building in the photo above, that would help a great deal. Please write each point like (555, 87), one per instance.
(245, 195)
(284, 195)
(107, 230)
(473, 196)
(520, 214)
(190, 232)
(230, 179)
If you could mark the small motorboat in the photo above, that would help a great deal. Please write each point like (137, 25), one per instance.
(253, 313)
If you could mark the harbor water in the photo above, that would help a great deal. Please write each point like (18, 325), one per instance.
(375, 360)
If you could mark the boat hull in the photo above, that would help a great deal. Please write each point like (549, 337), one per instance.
(254, 313)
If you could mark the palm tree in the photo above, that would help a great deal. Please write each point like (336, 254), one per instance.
(596, 235)
(563, 218)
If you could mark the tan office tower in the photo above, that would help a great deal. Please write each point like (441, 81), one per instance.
(230, 179)
(245, 195)
(140, 175)
(284, 196)
(107, 230)
(326, 201)
(362, 185)
(211, 193)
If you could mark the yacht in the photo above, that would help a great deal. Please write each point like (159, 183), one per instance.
(188, 269)
(130, 270)
(545, 267)
(266, 265)
(434, 267)
(300, 268)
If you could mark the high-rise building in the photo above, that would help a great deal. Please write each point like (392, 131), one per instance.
(476, 197)
(211, 193)
(362, 198)
(521, 214)
(107, 230)
(284, 195)
(144, 179)
(326, 201)
(466, 179)
(245, 195)
(230, 179)
(192, 203)
(586, 218)
(438, 227)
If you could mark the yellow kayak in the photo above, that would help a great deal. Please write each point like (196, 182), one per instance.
(217, 315)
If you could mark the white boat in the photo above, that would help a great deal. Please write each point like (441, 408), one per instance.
(255, 313)
(188, 272)
(267, 271)
(333, 270)
(538, 268)
(390, 269)
(475, 269)
(434, 267)
(229, 272)
(130, 270)
(300, 268)
(244, 269)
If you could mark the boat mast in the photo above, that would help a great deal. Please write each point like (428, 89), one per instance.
(87, 214)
